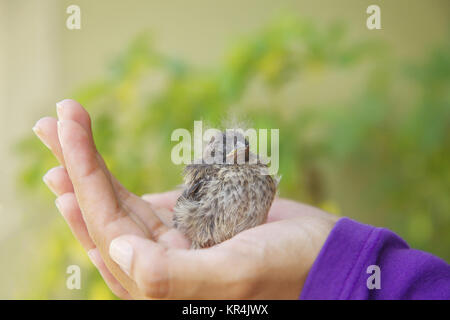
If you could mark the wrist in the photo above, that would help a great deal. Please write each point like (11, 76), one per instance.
(289, 257)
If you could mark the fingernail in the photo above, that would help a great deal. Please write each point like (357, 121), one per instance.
(38, 132)
(59, 127)
(93, 255)
(59, 108)
(121, 252)
(48, 181)
(58, 205)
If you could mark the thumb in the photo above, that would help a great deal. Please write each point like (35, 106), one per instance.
(168, 273)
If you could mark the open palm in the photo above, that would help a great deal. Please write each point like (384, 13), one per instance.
(140, 255)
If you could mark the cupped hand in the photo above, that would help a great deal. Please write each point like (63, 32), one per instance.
(131, 240)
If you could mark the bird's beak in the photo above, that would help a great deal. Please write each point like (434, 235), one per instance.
(233, 154)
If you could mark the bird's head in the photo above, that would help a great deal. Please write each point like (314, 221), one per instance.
(227, 147)
(239, 154)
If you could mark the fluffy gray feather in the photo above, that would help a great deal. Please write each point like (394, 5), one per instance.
(223, 195)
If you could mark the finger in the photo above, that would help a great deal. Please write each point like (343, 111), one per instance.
(69, 109)
(111, 281)
(46, 128)
(46, 131)
(68, 207)
(174, 273)
(105, 217)
(107, 211)
(163, 200)
(95, 194)
(140, 211)
(165, 215)
(163, 204)
(58, 181)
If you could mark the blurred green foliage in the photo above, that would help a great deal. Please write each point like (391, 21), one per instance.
(380, 155)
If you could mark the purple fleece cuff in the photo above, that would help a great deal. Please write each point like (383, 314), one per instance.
(341, 268)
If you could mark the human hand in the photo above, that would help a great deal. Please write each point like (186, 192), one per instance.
(139, 254)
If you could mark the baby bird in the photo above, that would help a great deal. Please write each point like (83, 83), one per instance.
(229, 191)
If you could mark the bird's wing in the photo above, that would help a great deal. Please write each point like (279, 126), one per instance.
(196, 177)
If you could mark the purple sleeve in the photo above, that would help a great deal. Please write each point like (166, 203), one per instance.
(341, 268)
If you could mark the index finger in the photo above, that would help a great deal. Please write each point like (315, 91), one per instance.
(105, 215)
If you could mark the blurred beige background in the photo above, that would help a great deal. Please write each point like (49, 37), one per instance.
(41, 61)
